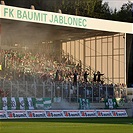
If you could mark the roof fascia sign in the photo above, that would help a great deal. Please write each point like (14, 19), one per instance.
(44, 17)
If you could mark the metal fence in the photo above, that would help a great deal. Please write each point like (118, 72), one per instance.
(61, 90)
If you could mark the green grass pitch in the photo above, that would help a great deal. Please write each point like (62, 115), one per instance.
(81, 125)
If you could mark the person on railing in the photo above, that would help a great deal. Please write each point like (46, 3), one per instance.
(57, 76)
(86, 76)
(99, 76)
(95, 77)
(75, 74)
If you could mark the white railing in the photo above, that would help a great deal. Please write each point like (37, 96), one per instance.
(61, 90)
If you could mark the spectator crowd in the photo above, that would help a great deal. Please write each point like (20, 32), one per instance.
(18, 65)
(37, 67)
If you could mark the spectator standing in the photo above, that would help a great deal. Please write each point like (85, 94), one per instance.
(99, 76)
(85, 76)
(95, 76)
(57, 76)
(75, 78)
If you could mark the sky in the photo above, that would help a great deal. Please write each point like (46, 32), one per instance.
(116, 3)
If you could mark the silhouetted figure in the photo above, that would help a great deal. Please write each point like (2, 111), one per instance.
(99, 76)
(57, 76)
(85, 76)
(95, 76)
(75, 78)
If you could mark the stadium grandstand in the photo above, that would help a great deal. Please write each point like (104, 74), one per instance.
(64, 58)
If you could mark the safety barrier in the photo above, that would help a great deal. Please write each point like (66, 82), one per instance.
(15, 114)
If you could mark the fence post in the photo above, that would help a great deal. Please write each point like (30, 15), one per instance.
(17, 89)
(26, 88)
(69, 92)
(54, 88)
(62, 90)
(51, 91)
(114, 91)
(92, 94)
(3, 84)
(99, 93)
(43, 89)
(85, 91)
(77, 92)
(35, 89)
(106, 92)
(11, 88)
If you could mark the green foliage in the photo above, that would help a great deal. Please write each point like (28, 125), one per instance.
(125, 13)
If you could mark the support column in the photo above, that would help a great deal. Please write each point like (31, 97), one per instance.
(113, 59)
(84, 54)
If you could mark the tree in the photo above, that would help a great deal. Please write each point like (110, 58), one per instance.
(19, 3)
(91, 8)
(88, 8)
(125, 14)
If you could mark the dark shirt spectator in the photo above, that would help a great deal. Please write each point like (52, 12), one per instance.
(95, 77)
(57, 76)
(75, 77)
(85, 76)
(99, 76)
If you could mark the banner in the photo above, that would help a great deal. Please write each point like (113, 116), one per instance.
(88, 113)
(3, 114)
(104, 113)
(4, 103)
(21, 103)
(16, 114)
(84, 103)
(29, 102)
(36, 114)
(13, 103)
(47, 103)
(119, 113)
(39, 103)
(12, 114)
(22, 14)
(54, 113)
(43, 103)
(110, 103)
(72, 113)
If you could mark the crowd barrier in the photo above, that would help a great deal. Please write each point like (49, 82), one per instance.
(17, 114)
(94, 92)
